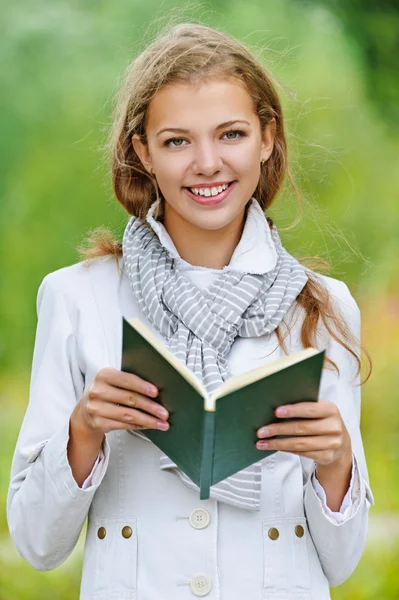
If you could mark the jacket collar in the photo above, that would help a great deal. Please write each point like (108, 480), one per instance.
(255, 253)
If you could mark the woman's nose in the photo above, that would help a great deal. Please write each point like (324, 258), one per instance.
(207, 160)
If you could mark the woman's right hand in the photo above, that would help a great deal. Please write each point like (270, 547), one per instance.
(114, 400)
(119, 400)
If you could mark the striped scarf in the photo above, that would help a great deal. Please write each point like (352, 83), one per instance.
(200, 326)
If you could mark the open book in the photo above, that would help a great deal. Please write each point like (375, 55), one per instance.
(213, 436)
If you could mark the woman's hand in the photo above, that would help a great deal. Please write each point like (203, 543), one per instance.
(114, 400)
(317, 431)
(119, 400)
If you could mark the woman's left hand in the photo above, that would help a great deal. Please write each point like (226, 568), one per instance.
(317, 431)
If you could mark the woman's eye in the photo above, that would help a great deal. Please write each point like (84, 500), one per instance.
(168, 142)
(237, 133)
(178, 142)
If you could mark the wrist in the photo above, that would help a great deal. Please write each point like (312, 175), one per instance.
(335, 479)
(79, 427)
(341, 467)
(84, 445)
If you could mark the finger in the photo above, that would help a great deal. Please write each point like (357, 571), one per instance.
(107, 425)
(306, 410)
(128, 381)
(108, 393)
(125, 415)
(329, 426)
(315, 443)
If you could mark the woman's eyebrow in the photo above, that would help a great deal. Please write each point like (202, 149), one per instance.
(221, 126)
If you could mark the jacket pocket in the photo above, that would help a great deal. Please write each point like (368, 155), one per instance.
(286, 572)
(114, 546)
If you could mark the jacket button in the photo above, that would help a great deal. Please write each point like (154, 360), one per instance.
(299, 531)
(127, 532)
(273, 533)
(101, 533)
(199, 518)
(200, 585)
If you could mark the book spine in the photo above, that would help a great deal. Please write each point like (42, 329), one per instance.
(208, 445)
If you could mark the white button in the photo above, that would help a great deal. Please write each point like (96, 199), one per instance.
(200, 585)
(200, 518)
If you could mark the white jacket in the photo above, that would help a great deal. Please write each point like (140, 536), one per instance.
(161, 541)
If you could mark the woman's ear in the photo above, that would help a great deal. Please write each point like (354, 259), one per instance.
(268, 139)
(142, 152)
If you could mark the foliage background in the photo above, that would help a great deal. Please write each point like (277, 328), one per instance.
(336, 61)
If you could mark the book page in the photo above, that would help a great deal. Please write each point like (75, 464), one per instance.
(240, 381)
(168, 355)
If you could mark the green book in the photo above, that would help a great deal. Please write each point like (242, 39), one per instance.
(213, 436)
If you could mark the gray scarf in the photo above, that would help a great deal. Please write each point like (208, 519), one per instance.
(199, 327)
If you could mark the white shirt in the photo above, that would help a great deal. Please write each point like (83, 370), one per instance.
(246, 261)
(235, 553)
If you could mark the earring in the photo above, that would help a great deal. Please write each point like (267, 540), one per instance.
(262, 162)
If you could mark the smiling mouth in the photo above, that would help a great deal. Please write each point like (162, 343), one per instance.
(209, 191)
(210, 196)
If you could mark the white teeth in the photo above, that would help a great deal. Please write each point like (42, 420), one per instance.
(214, 191)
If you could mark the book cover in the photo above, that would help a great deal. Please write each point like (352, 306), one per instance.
(213, 436)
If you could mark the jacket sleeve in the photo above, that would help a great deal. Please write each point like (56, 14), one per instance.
(46, 509)
(346, 505)
(340, 543)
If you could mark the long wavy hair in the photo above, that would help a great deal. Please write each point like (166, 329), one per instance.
(190, 53)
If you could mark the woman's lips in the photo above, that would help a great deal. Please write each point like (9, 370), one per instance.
(210, 200)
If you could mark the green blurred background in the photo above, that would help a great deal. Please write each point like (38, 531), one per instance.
(336, 63)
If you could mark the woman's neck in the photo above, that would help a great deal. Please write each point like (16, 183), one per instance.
(203, 247)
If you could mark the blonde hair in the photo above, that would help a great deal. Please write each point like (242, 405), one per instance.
(191, 53)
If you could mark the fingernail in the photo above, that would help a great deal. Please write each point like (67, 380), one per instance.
(163, 413)
(264, 432)
(162, 425)
(281, 412)
(262, 445)
(152, 390)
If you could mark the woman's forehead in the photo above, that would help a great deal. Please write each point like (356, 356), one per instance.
(209, 103)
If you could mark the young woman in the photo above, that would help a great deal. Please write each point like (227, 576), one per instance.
(198, 155)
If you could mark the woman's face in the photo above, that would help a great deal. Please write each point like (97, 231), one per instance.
(200, 138)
